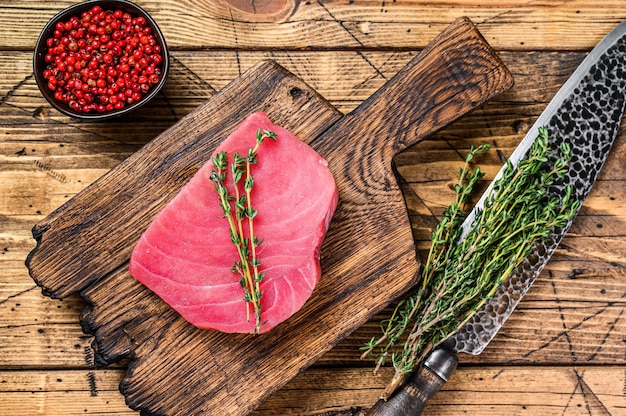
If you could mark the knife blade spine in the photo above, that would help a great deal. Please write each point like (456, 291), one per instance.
(522, 148)
(608, 62)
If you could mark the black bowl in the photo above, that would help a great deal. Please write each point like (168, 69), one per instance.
(39, 64)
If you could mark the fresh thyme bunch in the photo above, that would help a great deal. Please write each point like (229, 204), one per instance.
(238, 210)
(461, 274)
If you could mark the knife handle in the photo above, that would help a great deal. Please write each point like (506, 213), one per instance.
(411, 398)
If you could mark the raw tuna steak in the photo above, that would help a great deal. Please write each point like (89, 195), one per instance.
(186, 255)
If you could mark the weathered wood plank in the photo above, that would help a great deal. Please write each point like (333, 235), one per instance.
(561, 320)
(573, 314)
(532, 391)
(359, 24)
(69, 392)
(471, 390)
(344, 78)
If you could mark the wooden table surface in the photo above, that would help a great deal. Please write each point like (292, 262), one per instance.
(563, 351)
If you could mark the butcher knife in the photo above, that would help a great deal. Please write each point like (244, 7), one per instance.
(585, 113)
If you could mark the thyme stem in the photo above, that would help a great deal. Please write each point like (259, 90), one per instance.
(238, 209)
(459, 277)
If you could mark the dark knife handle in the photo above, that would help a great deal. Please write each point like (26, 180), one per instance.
(410, 399)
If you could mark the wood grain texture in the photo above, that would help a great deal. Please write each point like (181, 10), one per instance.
(454, 75)
(560, 353)
(480, 391)
(341, 24)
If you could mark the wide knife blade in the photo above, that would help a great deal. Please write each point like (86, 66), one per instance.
(586, 113)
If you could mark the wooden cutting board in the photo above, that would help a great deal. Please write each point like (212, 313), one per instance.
(368, 257)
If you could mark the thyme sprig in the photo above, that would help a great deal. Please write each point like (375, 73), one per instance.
(460, 275)
(238, 210)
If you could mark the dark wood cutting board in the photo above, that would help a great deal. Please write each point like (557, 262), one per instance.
(368, 256)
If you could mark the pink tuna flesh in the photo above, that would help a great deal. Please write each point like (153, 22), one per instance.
(186, 255)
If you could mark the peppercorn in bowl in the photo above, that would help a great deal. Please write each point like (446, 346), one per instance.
(100, 59)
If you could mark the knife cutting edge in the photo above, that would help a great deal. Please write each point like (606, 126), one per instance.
(586, 114)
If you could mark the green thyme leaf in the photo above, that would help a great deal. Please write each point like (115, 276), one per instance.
(458, 277)
(238, 209)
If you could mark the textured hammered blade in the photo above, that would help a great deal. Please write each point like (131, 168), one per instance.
(586, 113)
